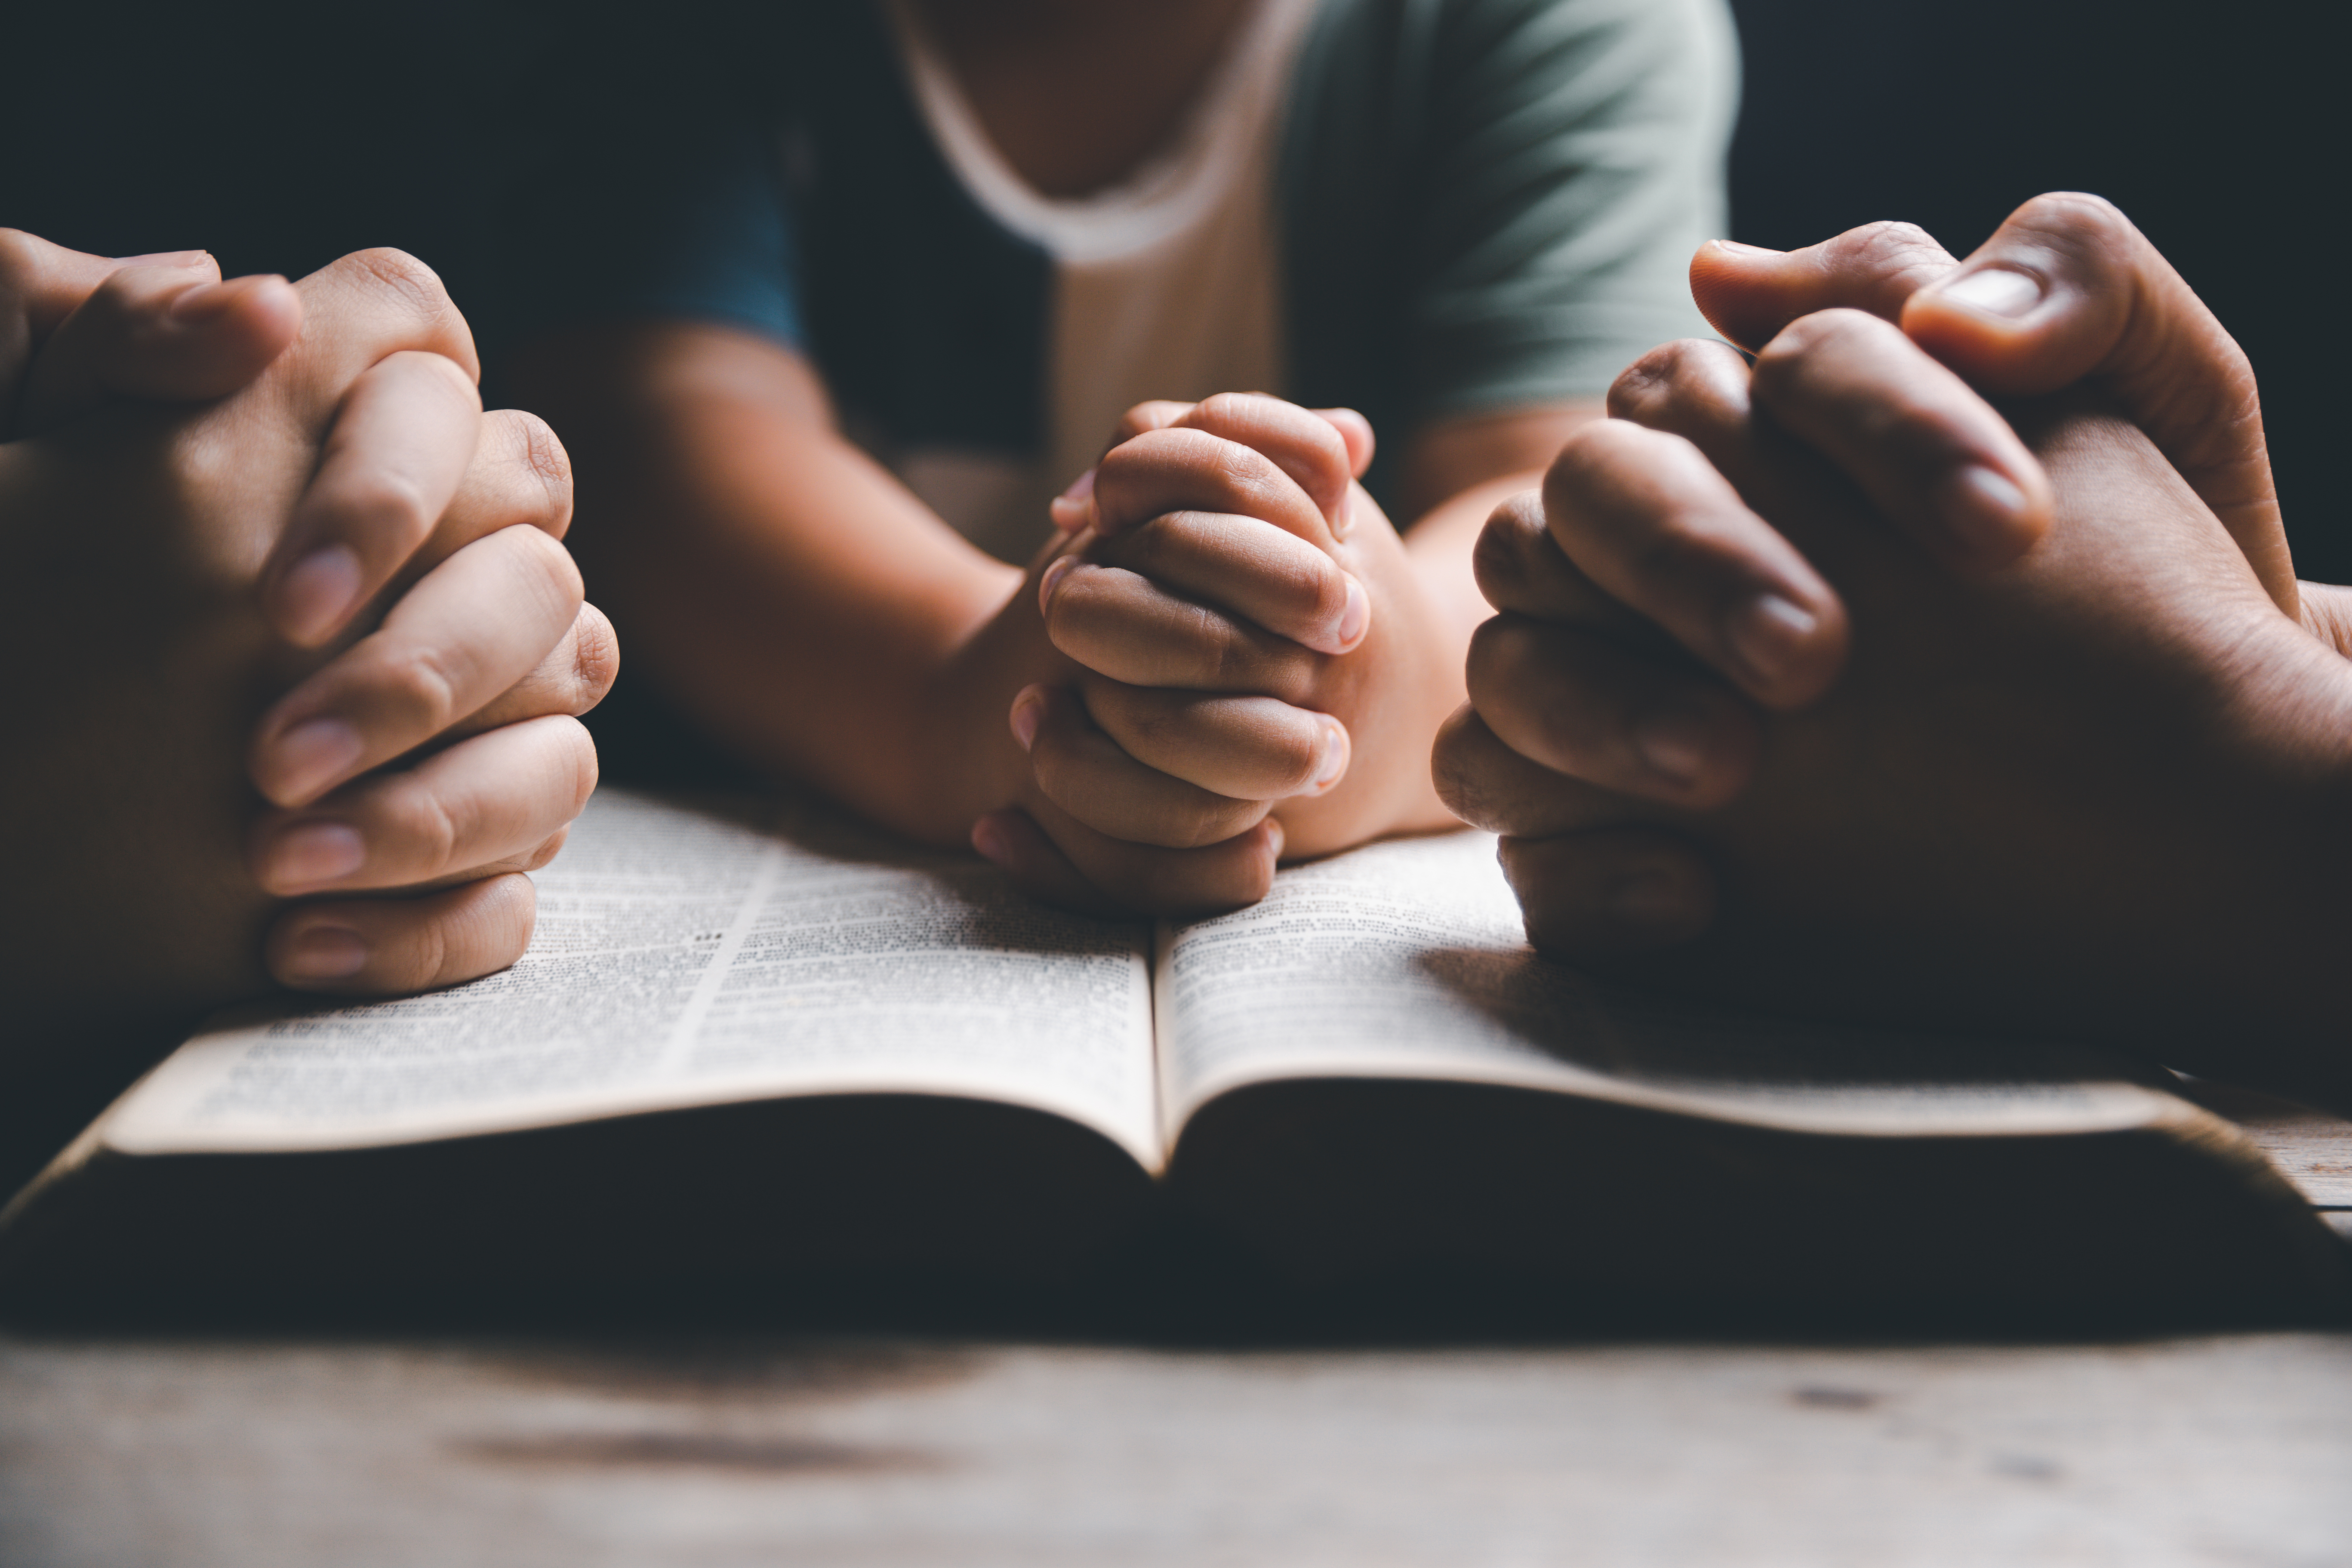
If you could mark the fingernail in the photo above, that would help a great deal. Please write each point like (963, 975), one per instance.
(1767, 633)
(204, 300)
(1355, 619)
(989, 839)
(1983, 507)
(1081, 488)
(1028, 709)
(1650, 899)
(1737, 249)
(306, 758)
(312, 854)
(165, 258)
(1054, 576)
(326, 953)
(1346, 519)
(1674, 744)
(1336, 751)
(320, 590)
(1996, 291)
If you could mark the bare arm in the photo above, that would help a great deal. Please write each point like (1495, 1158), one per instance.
(1455, 473)
(784, 589)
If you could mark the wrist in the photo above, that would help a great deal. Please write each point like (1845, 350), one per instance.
(963, 760)
(2276, 946)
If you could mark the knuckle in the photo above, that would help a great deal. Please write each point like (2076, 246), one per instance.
(1596, 444)
(1477, 790)
(1212, 819)
(1794, 354)
(1884, 246)
(1491, 648)
(1233, 657)
(117, 296)
(428, 827)
(435, 961)
(388, 506)
(1675, 553)
(1299, 755)
(595, 658)
(448, 373)
(1500, 551)
(417, 679)
(1168, 446)
(1463, 787)
(1454, 762)
(547, 850)
(1594, 454)
(20, 256)
(1654, 377)
(544, 569)
(1840, 323)
(1203, 881)
(2074, 213)
(412, 285)
(578, 761)
(499, 924)
(546, 460)
(1128, 713)
(1323, 587)
(1245, 471)
(1230, 408)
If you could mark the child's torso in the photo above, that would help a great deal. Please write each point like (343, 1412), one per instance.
(1163, 284)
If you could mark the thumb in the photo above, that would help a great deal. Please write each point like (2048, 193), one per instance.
(2068, 289)
(167, 329)
(1748, 294)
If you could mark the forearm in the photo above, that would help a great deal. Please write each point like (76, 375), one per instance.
(1455, 474)
(1450, 609)
(788, 594)
(1441, 543)
(1454, 477)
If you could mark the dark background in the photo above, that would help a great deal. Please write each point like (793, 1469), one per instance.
(281, 136)
(2218, 128)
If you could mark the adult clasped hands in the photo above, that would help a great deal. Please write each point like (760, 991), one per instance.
(297, 650)
(1829, 686)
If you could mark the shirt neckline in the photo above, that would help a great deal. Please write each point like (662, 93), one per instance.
(1192, 173)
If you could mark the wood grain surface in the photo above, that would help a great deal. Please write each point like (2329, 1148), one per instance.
(688, 1451)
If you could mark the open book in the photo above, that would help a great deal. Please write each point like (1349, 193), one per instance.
(792, 1047)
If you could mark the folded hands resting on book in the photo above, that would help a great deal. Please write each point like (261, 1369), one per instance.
(264, 538)
(2078, 766)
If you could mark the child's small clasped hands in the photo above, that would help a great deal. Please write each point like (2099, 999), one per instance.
(1258, 673)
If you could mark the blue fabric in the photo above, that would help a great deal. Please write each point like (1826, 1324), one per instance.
(688, 221)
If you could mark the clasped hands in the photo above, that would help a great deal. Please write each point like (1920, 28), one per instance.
(1238, 633)
(267, 542)
(1826, 686)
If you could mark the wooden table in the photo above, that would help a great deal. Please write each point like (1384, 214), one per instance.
(691, 1451)
(685, 1449)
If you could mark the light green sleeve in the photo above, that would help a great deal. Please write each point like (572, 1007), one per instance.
(1490, 203)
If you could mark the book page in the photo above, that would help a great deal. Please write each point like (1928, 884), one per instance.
(2311, 1148)
(682, 958)
(1408, 959)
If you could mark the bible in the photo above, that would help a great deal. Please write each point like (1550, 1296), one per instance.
(763, 1043)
